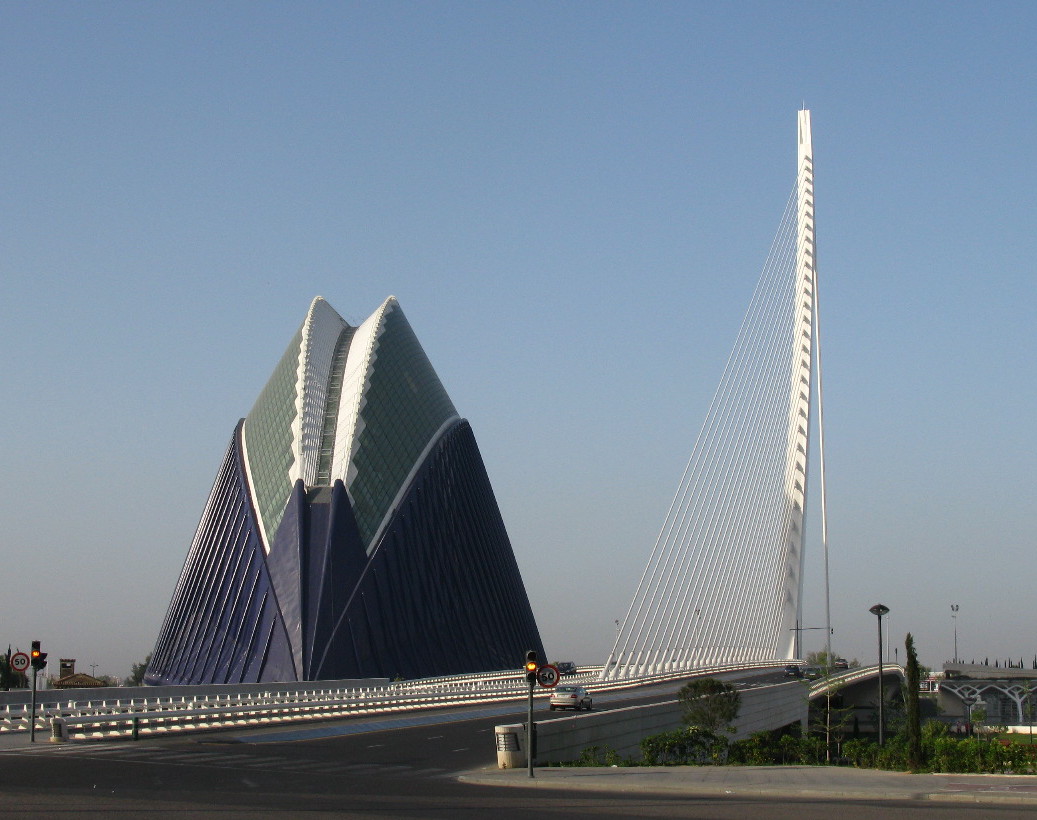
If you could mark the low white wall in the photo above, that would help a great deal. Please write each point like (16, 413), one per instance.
(563, 739)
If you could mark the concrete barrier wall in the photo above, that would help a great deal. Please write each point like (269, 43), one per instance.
(770, 707)
(563, 739)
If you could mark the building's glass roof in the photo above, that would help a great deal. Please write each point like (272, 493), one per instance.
(268, 439)
(404, 406)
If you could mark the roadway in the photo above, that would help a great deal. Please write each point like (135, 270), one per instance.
(407, 765)
(374, 761)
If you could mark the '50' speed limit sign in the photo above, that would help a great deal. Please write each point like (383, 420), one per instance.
(548, 676)
(19, 661)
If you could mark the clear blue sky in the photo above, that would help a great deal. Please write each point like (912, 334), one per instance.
(572, 202)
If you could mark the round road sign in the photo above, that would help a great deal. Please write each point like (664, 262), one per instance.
(548, 676)
(19, 661)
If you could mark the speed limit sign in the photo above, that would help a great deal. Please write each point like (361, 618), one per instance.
(548, 676)
(19, 661)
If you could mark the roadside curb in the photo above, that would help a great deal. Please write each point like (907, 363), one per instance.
(1019, 790)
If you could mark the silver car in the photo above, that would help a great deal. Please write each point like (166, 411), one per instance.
(571, 697)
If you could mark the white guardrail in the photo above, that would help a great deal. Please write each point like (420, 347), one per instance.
(839, 679)
(72, 718)
(91, 717)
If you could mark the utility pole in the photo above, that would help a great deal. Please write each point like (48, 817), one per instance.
(954, 617)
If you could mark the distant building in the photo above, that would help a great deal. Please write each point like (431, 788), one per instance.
(67, 666)
(1004, 692)
(352, 531)
(77, 681)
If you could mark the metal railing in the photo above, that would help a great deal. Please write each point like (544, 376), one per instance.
(839, 679)
(94, 718)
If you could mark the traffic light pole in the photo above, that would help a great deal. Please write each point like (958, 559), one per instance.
(529, 732)
(32, 716)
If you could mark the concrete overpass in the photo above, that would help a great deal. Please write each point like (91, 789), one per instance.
(767, 704)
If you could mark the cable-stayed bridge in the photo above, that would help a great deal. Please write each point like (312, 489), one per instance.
(721, 591)
(724, 580)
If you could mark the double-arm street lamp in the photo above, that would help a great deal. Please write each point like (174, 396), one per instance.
(878, 611)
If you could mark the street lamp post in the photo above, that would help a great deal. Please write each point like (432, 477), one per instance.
(1029, 709)
(878, 611)
(969, 701)
(954, 617)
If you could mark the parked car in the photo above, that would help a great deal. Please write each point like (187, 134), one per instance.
(571, 697)
(793, 670)
(841, 663)
(812, 672)
(566, 668)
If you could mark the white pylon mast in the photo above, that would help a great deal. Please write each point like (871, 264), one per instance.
(806, 285)
(725, 579)
(797, 455)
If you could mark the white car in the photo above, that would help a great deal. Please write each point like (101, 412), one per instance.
(571, 697)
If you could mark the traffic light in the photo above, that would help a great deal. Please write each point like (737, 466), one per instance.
(39, 659)
(531, 666)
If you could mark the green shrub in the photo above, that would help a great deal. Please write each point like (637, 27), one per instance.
(600, 756)
(788, 749)
(946, 754)
(893, 754)
(941, 751)
(811, 750)
(861, 752)
(761, 749)
(693, 746)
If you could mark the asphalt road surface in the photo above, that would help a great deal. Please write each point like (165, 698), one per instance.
(403, 767)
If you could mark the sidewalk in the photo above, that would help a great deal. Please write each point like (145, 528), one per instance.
(817, 782)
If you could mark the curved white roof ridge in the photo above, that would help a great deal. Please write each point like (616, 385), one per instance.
(355, 379)
(320, 332)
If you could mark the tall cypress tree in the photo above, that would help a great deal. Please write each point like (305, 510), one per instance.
(914, 721)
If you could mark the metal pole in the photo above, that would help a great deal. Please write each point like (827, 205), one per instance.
(32, 717)
(878, 611)
(828, 725)
(529, 733)
(881, 693)
(954, 616)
